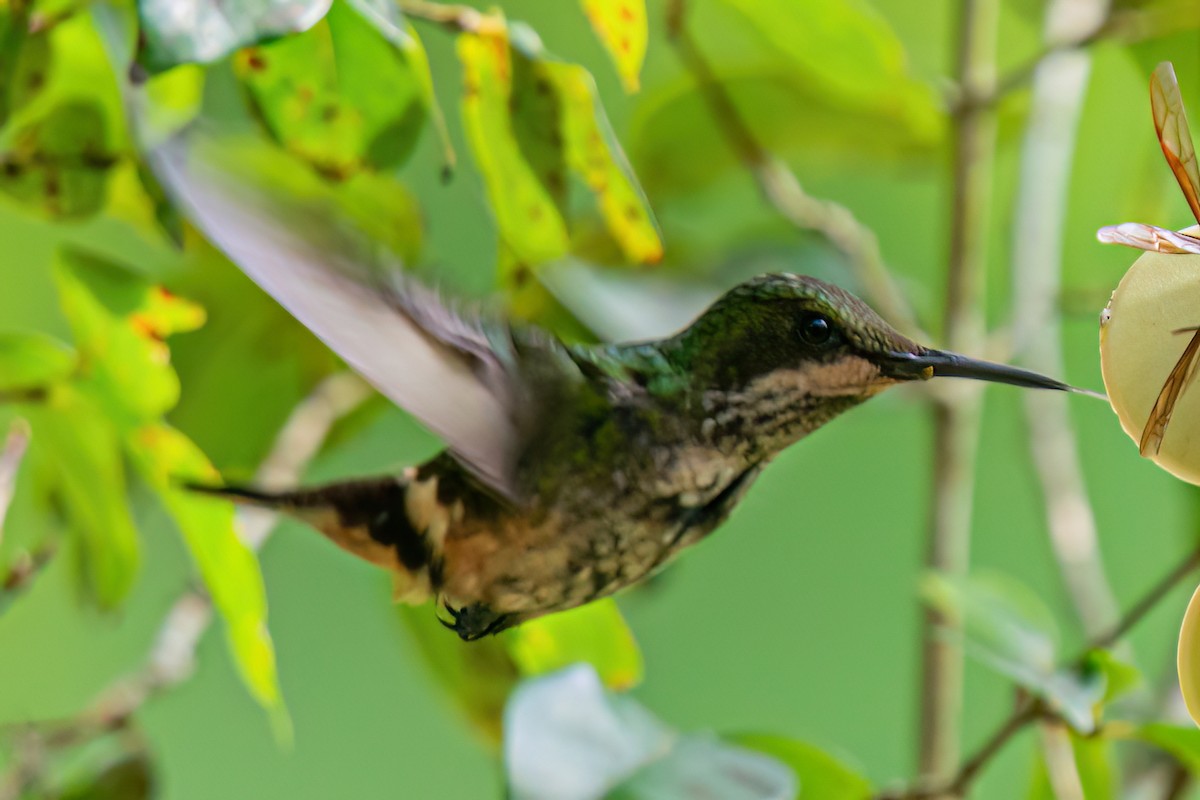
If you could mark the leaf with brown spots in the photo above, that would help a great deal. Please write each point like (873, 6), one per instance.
(593, 152)
(340, 96)
(527, 218)
(621, 26)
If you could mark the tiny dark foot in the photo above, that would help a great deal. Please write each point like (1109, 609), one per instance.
(475, 621)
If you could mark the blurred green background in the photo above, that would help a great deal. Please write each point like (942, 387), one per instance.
(801, 616)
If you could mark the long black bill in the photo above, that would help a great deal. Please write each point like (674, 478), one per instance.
(944, 364)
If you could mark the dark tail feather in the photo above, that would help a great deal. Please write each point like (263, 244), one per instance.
(240, 494)
(297, 499)
(368, 518)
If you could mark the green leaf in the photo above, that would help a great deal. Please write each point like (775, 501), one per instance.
(1120, 677)
(84, 447)
(340, 96)
(31, 360)
(1094, 762)
(58, 165)
(1006, 626)
(119, 323)
(821, 775)
(621, 26)
(846, 50)
(566, 738)
(60, 140)
(1182, 743)
(478, 675)
(167, 459)
(386, 17)
(25, 60)
(202, 31)
(811, 79)
(595, 634)
(527, 218)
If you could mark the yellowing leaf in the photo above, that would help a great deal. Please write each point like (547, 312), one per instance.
(166, 459)
(528, 221)
(593, 152)
(621, 26)
(594, 634)
(119, 323)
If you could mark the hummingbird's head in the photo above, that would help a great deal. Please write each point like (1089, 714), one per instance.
(794, 347)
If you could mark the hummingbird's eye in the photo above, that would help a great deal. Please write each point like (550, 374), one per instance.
(816, 329)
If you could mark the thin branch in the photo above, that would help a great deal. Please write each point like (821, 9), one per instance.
(1059, 758)
(1128, 26)
(1060, 84)
(459, 18)
(782, 189)
(957, 415)
(1030, 709)
(1145, 605)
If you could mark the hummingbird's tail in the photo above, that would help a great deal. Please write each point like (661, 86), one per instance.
(369, 518)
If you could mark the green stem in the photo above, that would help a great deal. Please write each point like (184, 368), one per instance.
(956, 416)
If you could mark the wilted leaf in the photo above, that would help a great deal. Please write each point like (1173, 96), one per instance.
(567, 739)
(621, 26)
(202, 31)
(341, 96)
(33, 360)
(167, 459)
(594, 634)
(821, 775)
(1007, 627)
(527, 218)
(85, 449)
(478, 675)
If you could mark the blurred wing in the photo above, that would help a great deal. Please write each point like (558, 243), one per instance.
(1149, 237)
(444, 369)
(1170, 121)
(1164, 406)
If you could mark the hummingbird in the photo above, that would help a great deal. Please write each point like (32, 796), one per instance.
(571, 471)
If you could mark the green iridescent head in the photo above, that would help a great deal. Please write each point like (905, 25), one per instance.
(795, 333)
